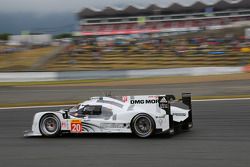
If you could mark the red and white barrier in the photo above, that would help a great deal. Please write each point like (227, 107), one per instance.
(246, 68)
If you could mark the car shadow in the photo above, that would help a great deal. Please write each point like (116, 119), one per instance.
(112, 136)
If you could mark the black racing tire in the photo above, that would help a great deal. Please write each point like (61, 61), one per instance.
(143, 125)
(50, 125)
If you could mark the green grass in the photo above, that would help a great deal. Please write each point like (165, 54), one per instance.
(23, 60)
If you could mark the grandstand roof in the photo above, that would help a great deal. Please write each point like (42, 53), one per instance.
(173, 8)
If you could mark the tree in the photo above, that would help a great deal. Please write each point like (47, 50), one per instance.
(64, 35)
(4, 36)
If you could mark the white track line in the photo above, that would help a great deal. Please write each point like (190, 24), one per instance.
(25, 107)
(204, 100)
(229, 99)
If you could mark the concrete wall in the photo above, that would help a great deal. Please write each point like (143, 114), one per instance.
(77, 75)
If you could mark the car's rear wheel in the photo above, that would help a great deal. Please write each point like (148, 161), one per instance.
(143, 125)
(50, 125)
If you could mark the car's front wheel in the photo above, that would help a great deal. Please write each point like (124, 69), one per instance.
(143, 125)
(50, 125)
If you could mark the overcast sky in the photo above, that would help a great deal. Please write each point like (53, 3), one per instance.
(51, 6)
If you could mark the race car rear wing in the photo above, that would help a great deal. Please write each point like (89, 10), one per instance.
(186, 99)
(165, 101)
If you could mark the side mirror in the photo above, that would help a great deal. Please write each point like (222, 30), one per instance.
(66, 114)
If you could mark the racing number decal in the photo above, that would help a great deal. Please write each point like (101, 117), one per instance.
(76, 126)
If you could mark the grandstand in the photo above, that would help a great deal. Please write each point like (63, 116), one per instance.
(155, 19)
(148, 38)
(173, 52)
(154, 50)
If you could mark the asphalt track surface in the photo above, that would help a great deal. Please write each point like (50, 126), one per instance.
(220, 137)
(13, 95)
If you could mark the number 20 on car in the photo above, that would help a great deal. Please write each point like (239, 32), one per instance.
(76, 126)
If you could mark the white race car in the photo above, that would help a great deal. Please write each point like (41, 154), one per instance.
(141, 115)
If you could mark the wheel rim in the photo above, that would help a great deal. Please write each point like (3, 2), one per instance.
(143, 126)
(49, 126)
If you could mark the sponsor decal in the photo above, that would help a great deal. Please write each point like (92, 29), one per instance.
(113, 125)
(64, 125)
(179, 114)
(163, 106)
(160, 119)
(163, 100)
(163, 116)
(163, 103)
(147, 101)
(76, 126)
(153, 97)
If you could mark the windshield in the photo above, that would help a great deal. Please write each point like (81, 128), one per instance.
(74, 108)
